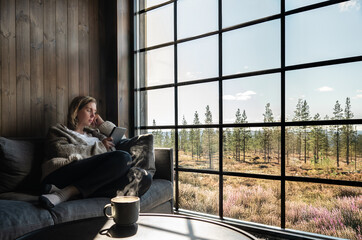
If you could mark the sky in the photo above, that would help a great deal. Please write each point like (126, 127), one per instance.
(331, 32)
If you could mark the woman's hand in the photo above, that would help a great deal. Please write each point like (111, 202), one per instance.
(108, 142)
(97, 121)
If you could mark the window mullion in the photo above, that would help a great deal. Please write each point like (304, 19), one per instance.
(282, 130)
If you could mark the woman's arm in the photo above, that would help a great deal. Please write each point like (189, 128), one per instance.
(60, 143)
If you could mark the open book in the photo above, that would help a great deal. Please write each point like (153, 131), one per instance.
(117, 134)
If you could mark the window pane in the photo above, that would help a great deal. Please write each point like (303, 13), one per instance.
(198, 104)
(315, 92)
(323, 34)
(252, 48)
(251, 94)
(332, 152)
(199, 148)
(252, 150)
(160, 107)
(195, 17)
(293, 4)
(159, 66)
(235, 11)
(199, 192)
(155, 32)
(324, 209)
(198, 59)
(252, 200)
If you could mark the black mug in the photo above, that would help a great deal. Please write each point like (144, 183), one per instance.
(124, 209)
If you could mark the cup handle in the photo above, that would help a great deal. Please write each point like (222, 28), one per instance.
(105, 210)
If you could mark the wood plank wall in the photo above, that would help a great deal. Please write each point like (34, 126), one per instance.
(49, 53)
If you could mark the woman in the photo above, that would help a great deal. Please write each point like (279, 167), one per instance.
(79, 159)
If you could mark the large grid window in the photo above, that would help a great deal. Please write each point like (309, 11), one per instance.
(261, 101)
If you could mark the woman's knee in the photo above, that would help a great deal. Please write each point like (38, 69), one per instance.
(120, 158)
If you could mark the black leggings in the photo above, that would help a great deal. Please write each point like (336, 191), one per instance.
(98, 176)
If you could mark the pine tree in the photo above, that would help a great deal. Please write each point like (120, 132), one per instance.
(209, 135)
(305, 117)
(197, 136)
(298, 117)
(267, 132)
(348, 129)
(237, 136)
(326, 139)
(228, 141)
(245, 134)
(316, 138)
(183, 137)
(157, 135)
(337, 115)
(192, 140)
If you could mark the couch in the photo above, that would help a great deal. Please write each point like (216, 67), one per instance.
(20, 212)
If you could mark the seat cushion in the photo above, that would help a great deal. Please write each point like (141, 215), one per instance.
(78, 209)
(18, 218)
(161, 191)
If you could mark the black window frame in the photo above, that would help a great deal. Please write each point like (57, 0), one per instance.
(283, 124)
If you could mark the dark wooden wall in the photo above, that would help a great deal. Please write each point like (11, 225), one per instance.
(51, 51)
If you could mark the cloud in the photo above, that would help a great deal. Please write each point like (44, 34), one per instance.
(349, 5)
(325, 89)
(359, 91)
(359, 96)
(240, 96)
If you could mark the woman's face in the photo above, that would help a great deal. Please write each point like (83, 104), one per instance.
(86, 114)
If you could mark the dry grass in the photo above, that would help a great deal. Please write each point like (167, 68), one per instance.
(317, 208)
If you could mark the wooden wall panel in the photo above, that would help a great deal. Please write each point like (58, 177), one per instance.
(49, 53)
(96, 87)
(50, 73)
(37, 66)
(61, 36)
(83, 34)
(23, 107)
(8, 68)
(73, 49)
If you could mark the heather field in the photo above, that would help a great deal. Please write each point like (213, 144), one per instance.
(317, 208)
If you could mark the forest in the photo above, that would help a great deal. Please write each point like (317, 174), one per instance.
(321, 151)
(326, 148)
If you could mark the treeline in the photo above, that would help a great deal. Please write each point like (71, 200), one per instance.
(316, 143)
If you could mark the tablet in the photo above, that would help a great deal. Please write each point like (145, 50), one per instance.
(117, 134)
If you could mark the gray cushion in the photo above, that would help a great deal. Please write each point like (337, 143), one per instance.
(16, 158)
(18, 218)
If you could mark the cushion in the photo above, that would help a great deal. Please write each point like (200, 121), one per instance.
(141, 150)
(16, 158)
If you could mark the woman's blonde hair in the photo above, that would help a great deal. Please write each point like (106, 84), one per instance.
(77, 104)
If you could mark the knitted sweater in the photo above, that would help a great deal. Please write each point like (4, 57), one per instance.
(63, 146)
